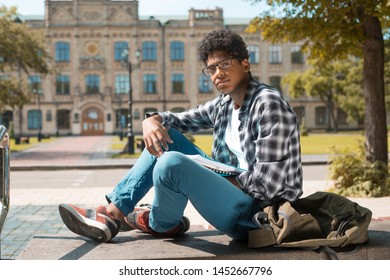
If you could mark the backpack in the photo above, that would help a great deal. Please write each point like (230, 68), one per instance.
(322, 219)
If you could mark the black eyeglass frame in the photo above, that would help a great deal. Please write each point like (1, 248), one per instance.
(208, 74)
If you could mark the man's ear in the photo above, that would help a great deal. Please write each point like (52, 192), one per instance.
(246, 65)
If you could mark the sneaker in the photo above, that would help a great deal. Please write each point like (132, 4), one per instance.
(140, 220)
(95, 224)
(126, 226)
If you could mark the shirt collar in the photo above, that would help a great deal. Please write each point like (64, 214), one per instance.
(250, 92)
(248, 95)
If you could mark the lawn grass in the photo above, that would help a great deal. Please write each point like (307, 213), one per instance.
(319, 143)
(323, 143)
(33, 142)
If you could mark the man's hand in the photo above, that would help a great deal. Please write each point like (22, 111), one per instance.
(156, 136)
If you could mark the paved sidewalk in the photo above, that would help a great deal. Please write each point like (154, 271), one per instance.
(34, 211)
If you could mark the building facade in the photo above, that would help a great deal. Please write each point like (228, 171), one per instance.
(90, 43)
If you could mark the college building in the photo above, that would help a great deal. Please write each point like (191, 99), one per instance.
(91, 44)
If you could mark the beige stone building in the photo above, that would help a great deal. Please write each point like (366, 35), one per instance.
(89, 92)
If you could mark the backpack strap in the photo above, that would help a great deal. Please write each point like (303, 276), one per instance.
(263, 236)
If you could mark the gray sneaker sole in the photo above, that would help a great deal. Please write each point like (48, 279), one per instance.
(84, 226)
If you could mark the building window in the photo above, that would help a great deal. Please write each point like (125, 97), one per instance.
(121, 118)
(321, 115)
(35, 84)
(205, 85)
(149, 51)
(177, 83)
(150, 83)
(6, 118)
(48, 116)
(119, 47)
(63, 119)
(341, 117)
(275, 82)
(92, 84)
(296, 55)
(177, 51)
(62, 85)
(34, 119)
(275, 54)
(122, 85)
(76, 118)
(300, 112)
(62, 52)
(253, 54)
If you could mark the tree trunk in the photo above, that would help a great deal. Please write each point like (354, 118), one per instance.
(373, 87)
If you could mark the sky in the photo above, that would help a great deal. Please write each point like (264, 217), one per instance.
(231, 8)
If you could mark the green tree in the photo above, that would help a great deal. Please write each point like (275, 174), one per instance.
(21, 51)
(335, 30)
(337, 84)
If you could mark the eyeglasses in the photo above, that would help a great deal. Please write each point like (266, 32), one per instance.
(222, 65)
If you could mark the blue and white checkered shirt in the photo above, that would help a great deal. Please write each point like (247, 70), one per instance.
(269, 137)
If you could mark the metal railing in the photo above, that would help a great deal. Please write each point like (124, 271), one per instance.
(4, 177)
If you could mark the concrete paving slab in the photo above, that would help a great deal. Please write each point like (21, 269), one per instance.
(196, 244)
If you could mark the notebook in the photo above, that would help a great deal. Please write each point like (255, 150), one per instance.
(218, 167)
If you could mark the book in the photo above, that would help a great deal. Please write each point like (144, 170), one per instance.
(216, 166)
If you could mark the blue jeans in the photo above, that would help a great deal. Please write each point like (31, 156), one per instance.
(177, 179)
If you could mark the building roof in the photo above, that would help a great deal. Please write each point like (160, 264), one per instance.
(162, 18)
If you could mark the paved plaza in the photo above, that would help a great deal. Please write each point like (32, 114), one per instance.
(80, 170)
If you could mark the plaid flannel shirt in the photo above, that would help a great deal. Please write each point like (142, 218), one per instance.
(269, 137)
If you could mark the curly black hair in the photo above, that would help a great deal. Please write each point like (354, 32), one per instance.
(223, 40)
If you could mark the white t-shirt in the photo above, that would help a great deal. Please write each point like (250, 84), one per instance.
(232, 139)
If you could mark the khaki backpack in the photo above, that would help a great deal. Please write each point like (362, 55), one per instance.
(321, 219)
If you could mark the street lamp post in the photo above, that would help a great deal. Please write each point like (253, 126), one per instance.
(130, 67)
(39, 114)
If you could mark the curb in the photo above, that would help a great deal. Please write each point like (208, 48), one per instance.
(105, 166)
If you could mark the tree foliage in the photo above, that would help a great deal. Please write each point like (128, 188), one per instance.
(337, 29)
(21, 51)
(329, 29)
(338, 84)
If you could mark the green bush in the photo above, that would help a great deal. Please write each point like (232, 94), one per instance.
(356, 177)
